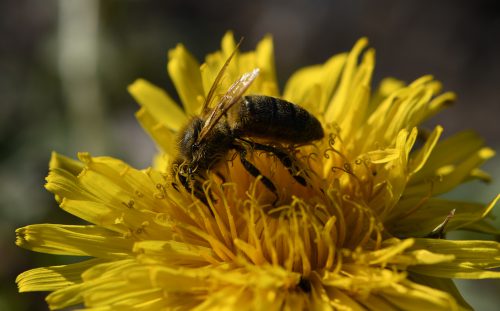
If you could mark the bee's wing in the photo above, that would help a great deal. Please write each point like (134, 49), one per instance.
(217, 80)
(231, 97)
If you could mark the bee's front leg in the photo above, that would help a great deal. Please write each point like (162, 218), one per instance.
(194, 185)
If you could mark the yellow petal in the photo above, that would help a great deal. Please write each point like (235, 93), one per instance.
(386, 87)
(377, 302)
(111, 194)
(159, 132)
(438, 104)
(383, 156)
(55, 277)
(65, 297)
(403, 109)
(115, 286)
(473, 259)
(415, 297)
(463, 145)
(63, 162)
(228, 44)
(65, 184)
(385, 254)
(338, 104)
(161, 162)
(264, 56)
(418, 161)
(445, 285)
(73, 240)
(312, 87)
(479, 174)
(450, 176)
(157, 102)
(424, 219)
(304, 89)
(341, 301)
(173, 253)
(184, 71)
(353, 116)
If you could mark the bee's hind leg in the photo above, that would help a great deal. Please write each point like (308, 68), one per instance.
(254, 171)
(284, 158)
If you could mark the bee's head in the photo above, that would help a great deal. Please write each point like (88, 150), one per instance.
(189, 148)
(201, 155)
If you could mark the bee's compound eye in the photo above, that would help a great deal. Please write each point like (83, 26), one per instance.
(195, 146)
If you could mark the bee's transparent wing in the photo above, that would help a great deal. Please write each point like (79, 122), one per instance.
(232, 96)
(219, 77)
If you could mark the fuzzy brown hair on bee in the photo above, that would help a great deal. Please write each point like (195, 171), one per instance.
(233, 124)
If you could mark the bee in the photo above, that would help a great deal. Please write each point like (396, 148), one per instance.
(233, 124)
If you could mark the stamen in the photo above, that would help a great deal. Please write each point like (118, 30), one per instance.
(162, 192)
(141, 229)
(331, 143)
(130, 204)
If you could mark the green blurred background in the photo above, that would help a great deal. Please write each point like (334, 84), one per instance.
(65, 66)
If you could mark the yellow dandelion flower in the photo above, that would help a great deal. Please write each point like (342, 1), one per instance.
(361, 234)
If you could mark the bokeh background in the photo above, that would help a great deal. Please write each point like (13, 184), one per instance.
(65, 66)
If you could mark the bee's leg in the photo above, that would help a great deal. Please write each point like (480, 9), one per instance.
(254, 171)
(185, 181)
(196, 189)
(174, 185)
(219, 174)
(284, 158)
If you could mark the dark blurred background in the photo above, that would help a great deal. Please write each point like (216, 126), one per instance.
(65, 66)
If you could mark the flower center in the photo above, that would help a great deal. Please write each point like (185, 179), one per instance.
(309, 227)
